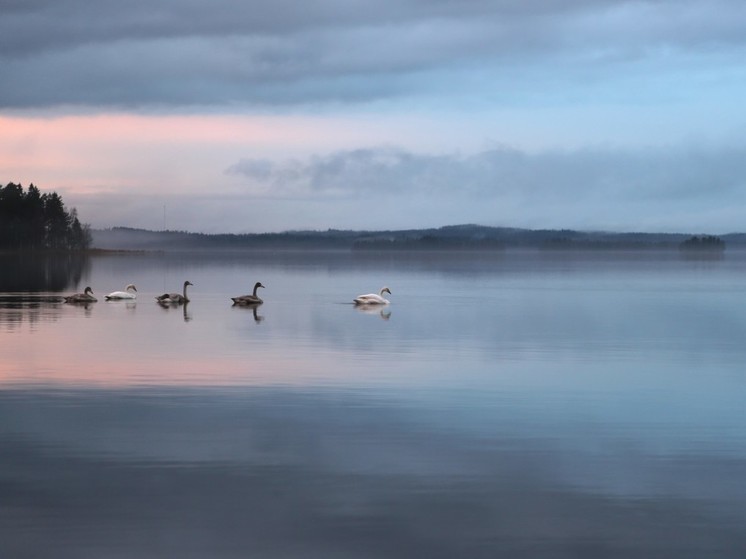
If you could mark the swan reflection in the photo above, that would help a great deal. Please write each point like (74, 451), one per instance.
(87, 307)
(254, 309)
(384, 313)
(167, 306)
(129, 305)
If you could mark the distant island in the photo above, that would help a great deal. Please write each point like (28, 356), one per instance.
(708, 243)
(448, 238)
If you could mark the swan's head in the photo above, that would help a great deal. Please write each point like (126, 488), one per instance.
(88, 291)
(188, 283)
(130, 286)
(258, 284)
(385, 290)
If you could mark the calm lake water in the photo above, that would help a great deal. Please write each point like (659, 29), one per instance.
(515, 405)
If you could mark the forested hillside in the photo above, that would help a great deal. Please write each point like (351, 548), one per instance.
(449, 238)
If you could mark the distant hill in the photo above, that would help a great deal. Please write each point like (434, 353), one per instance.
(453, 237)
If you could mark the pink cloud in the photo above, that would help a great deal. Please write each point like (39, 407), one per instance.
(125, 153)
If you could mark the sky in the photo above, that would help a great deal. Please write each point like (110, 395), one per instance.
(246, 116)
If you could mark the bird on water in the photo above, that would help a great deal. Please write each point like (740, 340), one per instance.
(373, 298)
(128, 293)
(176, 298)
(85, 297)
(252, 299)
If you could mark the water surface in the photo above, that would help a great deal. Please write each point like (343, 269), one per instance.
(517, 405)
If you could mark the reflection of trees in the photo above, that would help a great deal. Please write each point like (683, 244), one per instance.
(41, 272)
(706, 247)
(705, 242)
(15, 309)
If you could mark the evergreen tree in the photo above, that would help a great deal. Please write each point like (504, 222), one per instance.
(32, 220)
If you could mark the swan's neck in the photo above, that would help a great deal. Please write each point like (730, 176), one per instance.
(255, 288)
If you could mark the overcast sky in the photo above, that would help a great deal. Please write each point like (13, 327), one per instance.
(269, 115)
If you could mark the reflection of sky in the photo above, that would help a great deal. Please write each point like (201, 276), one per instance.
(558, 340)
(303, 467)
(572, 394)
(449, 320)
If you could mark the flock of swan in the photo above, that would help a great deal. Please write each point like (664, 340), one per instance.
(130, 292)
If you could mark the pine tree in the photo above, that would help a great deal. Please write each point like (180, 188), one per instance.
(32, 220)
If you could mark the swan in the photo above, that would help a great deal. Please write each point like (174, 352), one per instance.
(373, 298)
(126, 294)
(249, 299)
(177, 298)
(85, 297)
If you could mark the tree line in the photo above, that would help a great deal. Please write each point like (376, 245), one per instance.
(705, 242)
(30, 219)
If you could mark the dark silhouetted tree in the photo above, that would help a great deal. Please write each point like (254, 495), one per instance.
(32, 220)
(705, 242)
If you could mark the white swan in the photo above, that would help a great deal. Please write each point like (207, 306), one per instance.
(249, 299)
(126, 294)
(176, 298)
(373, 298)
(85, 297)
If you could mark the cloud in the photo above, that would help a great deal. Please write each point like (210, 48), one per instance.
(674, 189)
(428, 76)
(656, 190)
(660, 174)
(267, 53)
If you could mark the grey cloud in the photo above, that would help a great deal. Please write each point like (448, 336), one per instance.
(359, 171)
(682, 189)
(267, 53)
(650, 174)
(75, 22)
